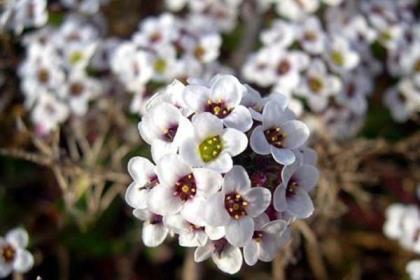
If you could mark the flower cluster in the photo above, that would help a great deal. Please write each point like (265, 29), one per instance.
(54, 74)
(13, 255)
(230, 170)
(164, 48)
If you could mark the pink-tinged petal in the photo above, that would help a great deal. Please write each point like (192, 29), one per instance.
(240, 118)
(258, 142)
(162, 201)
(300, 204)
(137, 197)
(208, 181)
(283, 156)
(18, 237)
(193, 211)
(141, 169)
(171, 168)
(222, 164)
(234, 141)
(279, 198)
(190, 153)
(215, 213)
(160, 148)
(229, 261)
(259, 199)
(251, 252)
(228, 89)
(196, 97)
(153, 234)
(236, 180)
(307, 177)
(203, 253)
(23, 261)
(239, 232)
(207, 125)
(297, 134)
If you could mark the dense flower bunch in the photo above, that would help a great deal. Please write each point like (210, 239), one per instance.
(13, 255)
(230, 170)
(54, 75)
(164, 48)
(403, 224)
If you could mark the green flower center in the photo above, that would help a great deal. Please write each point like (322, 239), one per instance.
(210, 148)
(76, 57)
(160, 65)
(338, 58)
(315, 84)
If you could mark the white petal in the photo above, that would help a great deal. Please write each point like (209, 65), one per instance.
(240, 118)
(176, 223)
(193, 211)
(162, 148)
(215, 213)
(234, 141)
(163, 202)
(137, 197)
(307, 177)
(23, 262)
(259, 199)
(236, 180)
(283, 156)
(190, 153)
(251, 252)
(203, 253)
(215, 233)
(297, 134)
(208, 181)
(170, 169)
(238, 232)
(228, 89)
(5, 270)
(300, 204)
(153, 235)
(275, 227)
(229, 261)
(258, 142)
(261, 221)
(279, 198)
(141, 169)
(196, 97)
(142, 214)
(221, 164)
(273, 115)
(18, 237)
(206, 125)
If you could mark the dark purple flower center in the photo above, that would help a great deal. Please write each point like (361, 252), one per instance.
(292, 187)
(275, 136)
(43, 75)
(186, 187)
(169, 133)
(8, 253)
(219, 109)
(236, 205)
(76, 89)
(219, 245)
(258, 236)
(156, 219)
(283, 67)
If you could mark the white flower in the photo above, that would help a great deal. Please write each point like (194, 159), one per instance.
(340, 56)
(13, 255)
(281, 34)
(154, 231)
(311, 36)
(84, 6)
(226, 257)
(207, 48)
(145, 178)
(317, 86)
(212, 145)
(356, 87)
(165, 129)
(292, 194)
(182, 189)
(222, 99)
(236, 205)
(278, 134)
(253, 101)
(413, 269)
(393, 216)
(157, 31)
(266, 241)
(296, 9)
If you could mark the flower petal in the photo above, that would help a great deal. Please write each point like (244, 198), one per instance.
(193, 211)
(215, 233)
(208, 181)
(196, 97)
(207, 125)
(141, 169)
(229, 261)
(221, 164)
(234, 141)
(18, 237)
(300, 204)
(238, 232)
(153, 235)
(279, 198)
(203, 253)
(215, 213)
(162, 201)
(236, 180)
(23, 262)
(160, 148)
(5, 270)
(240, 118)
(251, 252)
(297, 134)
(258, 142)
(259, 199)
(190, 153)
(170, 169)
(307, 176)
(137, 197)
(228, 89)
(283, 156)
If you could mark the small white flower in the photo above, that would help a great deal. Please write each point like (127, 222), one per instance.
(413, 269)
(311, 36)
(145, 178)
(340, 56)
(222, 98)
(207, 48)
(154, 231)
(278, 134)
(165, 129)
(226, 257)
(292, 194)
(182, 189)
(13, 255)
(157, 31)
(266, 241)
(281, 34)
(212, 145)
(296, 9)
(236, 205)
(84, 6)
